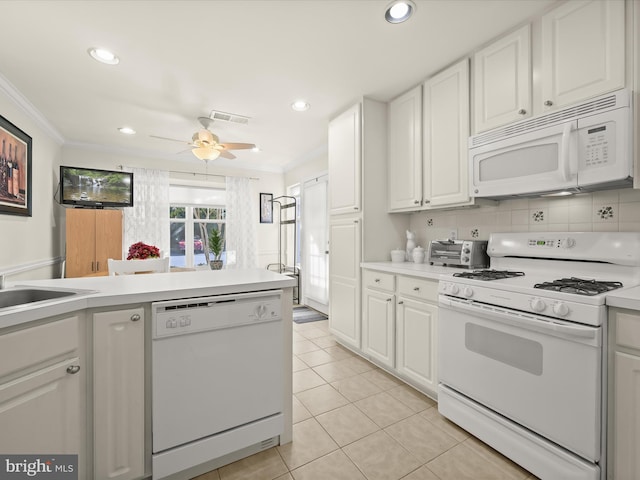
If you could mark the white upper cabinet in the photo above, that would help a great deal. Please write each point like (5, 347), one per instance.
(572, 53)
(446, 129)
(404, 161)
(502, 80)
(583, 51)
(344, 162)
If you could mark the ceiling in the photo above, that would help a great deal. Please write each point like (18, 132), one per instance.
(182, 59)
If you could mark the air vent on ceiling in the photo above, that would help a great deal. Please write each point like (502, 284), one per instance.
(228, 117)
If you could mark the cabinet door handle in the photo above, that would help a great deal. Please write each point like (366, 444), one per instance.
(416, 289)
(388, 299)
(93, 264)
(416, 202)
(522, 111)
(548, 103)
(97, 266)
(135, 317)
(400, 302)
(377, 280)
(426, 201)
(73, 369)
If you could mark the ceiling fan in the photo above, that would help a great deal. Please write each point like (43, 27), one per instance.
(206, 145)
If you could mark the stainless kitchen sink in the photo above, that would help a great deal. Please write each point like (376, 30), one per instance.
(13, 297)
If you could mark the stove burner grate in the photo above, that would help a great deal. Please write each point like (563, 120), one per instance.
(487, 275)
(579, 286)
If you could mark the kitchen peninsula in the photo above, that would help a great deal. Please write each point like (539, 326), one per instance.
(80, 370)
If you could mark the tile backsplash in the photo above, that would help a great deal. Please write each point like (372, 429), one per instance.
(606, 211)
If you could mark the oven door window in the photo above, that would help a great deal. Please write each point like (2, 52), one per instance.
(513, 350)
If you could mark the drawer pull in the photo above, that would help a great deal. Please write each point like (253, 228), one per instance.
(135, 317)
(73, 369)
(416, 289)
(388, 299)
(400, 302)
(377, 280)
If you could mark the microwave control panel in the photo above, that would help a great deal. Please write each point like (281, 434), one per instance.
(597, 143)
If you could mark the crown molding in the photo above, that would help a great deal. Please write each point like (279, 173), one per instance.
(32, 112)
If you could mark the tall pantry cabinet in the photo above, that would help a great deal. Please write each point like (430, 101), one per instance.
(360, 229)
(93, 236)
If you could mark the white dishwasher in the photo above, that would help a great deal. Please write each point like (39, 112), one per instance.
(217, 377)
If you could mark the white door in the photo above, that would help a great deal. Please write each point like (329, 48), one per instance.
(416, 342)
(344, 161)
(315, 244)
(118, 389)
(503, 81)
(446, 128)
(344, 280)
(379, 327)
(583, 52)
(405, 151)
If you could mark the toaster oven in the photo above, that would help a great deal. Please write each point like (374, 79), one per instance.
(459, 253)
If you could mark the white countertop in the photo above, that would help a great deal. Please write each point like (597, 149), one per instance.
(128, 289)
(625, 298)
(424, 270)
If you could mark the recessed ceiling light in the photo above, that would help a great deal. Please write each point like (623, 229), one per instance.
(127, 130)
(399, 11)
(300, 105)
(103, 56)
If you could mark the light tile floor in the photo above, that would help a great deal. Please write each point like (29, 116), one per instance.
(353, 421)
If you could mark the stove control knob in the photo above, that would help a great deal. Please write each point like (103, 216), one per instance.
(466, 250)
(454, 289)
(561, 309)
(537, 305)
(465, 259)
(467, 292)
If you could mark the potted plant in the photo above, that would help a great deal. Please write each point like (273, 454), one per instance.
(215, 245)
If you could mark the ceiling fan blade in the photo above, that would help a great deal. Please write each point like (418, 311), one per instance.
(237, 146)
(171, 139)
(225, 154)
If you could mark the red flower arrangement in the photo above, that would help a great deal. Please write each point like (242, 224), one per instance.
(142, 251)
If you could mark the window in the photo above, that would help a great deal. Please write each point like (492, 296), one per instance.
(192, 223)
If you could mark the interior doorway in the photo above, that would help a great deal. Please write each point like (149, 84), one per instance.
(315, 243)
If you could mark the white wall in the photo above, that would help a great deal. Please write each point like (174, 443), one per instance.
(606, 211)
(35, 239)
(315, 166)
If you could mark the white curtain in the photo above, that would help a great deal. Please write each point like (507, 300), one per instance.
(148, 220)
(242, 220)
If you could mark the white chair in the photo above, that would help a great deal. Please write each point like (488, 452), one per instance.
(127, 267)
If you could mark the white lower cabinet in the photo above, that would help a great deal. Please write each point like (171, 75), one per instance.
(344, 279)
(416, 322)
(42, 390)
(624, 395)
(399, 326)
(118, 394)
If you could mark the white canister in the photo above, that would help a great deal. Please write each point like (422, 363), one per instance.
(397, 255)
(418, 255)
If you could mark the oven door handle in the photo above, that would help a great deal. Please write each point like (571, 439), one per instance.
(523, 320)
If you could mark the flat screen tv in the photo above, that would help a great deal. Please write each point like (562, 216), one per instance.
(91, 188)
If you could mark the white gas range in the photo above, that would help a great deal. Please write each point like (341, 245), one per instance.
(522, 347)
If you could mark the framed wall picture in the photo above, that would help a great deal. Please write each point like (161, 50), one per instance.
(266, 208)
(15, 170)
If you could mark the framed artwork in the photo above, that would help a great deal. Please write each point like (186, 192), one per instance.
(266, 208)
(15, 170)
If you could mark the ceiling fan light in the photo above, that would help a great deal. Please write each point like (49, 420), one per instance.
(204, 137)
(206, 153)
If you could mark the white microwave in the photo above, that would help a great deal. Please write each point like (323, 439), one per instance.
(581, 148)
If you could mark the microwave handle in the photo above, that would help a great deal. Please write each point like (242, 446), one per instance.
(565, 151)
